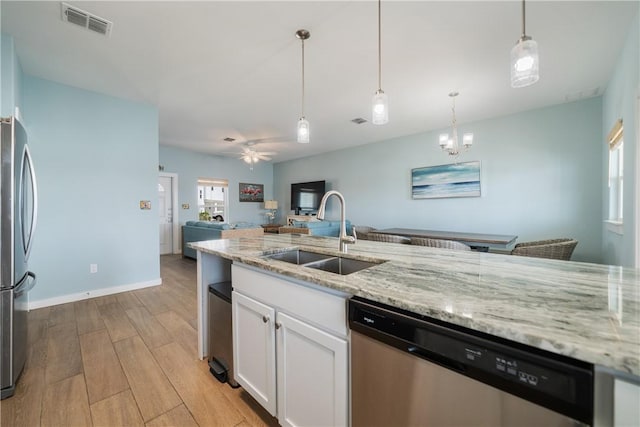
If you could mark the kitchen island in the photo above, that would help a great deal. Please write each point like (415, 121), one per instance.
(588, 312)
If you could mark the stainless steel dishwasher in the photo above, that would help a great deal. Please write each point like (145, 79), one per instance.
(220, 333)
(411, 370)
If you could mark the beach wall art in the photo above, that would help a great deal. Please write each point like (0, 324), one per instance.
(453, 180)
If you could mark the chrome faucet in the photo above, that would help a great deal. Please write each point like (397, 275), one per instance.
(344, 239)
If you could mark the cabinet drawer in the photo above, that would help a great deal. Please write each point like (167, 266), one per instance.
(324, 309)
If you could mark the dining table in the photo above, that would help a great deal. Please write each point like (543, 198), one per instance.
(477, 241)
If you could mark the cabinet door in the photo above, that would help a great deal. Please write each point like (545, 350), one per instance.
(254, 351)
(312, 375)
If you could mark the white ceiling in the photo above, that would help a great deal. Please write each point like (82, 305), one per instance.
(232, 69)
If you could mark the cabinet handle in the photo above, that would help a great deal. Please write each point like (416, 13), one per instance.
(265, 319)
(278, 325)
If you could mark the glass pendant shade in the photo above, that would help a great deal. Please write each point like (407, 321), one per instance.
(467, 140)
(444, 140)
(524, 63)
(380, 108)
(303, 131)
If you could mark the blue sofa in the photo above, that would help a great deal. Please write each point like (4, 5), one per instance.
(317, 228)
(197, 231)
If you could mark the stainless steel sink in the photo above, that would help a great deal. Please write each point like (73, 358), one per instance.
(299, 257)
(341, 265)
(324, 262)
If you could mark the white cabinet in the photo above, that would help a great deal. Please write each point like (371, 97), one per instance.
(312, 375)
(254, 349)
(290, 348)
(305, 218)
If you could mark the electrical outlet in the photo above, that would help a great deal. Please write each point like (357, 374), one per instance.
(93, 268)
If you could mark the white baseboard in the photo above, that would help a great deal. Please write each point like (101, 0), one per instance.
(63, 299)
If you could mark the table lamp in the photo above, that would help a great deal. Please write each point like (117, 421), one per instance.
(272, 207)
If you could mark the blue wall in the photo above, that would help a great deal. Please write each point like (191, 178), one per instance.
(620, 101)
(540, 177)
(190, 166)
(95, 158)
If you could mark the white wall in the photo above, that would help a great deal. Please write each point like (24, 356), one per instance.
(620, 102)
(541, 178)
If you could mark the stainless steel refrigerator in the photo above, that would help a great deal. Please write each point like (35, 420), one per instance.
(18, 211)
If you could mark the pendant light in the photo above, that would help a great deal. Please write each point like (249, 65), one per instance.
(449, 143)
(524, 59)
(380, 107)
(303, 124)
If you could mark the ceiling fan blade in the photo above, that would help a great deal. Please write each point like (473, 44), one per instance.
(262, 157)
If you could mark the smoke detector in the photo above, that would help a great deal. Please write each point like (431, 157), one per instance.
(85, 19)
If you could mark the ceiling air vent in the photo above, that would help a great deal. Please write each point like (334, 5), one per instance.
(85, 19)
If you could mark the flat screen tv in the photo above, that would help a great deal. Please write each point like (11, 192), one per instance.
(306, 196)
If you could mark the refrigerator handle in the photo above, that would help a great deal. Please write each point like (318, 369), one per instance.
(25, 285)
(35, 200)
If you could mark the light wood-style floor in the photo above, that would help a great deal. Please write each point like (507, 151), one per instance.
(125, 360)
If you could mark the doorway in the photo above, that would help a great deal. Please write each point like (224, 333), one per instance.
(168, 213)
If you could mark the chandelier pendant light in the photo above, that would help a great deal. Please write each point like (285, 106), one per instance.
(524, 59)
(303, 124)
(380, 107)
(449, 143)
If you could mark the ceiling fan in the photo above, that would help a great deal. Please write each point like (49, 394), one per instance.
(252, 156)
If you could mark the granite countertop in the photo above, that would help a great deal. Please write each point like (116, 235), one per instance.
(590, 312)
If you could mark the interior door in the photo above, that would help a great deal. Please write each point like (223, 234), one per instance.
(165, 203)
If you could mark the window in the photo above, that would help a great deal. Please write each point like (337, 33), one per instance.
(213, 200)
(616, 172)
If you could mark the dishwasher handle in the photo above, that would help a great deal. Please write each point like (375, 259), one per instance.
(436, 358)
